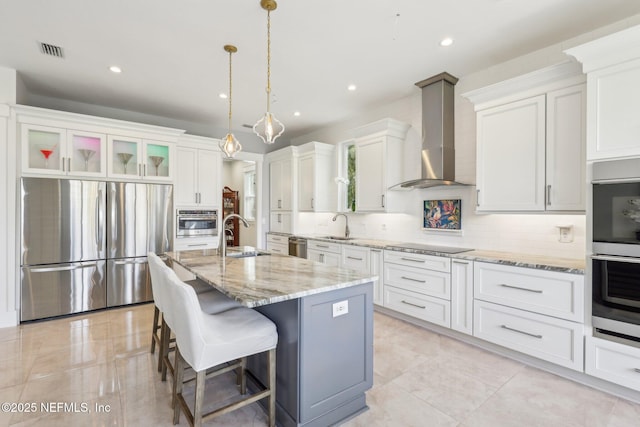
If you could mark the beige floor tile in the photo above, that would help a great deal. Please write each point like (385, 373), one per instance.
(625, 414)
(10, 395)
(536, 398)
(131, 344)
(81, 355)
(16, 370)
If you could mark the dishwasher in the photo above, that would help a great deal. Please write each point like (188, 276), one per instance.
(298, 247)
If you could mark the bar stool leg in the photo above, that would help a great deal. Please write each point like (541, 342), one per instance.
(177, 386)
(242, 378)
(272, 387)
(156, 315)
(164, 349)
(197, 407)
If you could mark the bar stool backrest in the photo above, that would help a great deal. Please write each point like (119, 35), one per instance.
(156, 270)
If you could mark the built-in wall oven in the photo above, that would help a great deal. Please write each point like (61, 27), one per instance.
(196, 223)
(615, 263)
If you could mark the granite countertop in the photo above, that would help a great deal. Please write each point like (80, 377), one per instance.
(265, 279)
(540, 262)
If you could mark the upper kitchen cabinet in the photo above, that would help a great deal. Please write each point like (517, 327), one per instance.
(281, 173)
(316, 186)
(199, 164)
(612, 65)
(75, 145)
(56, 151)
(378, 157)
(531, 133)
(137, 158)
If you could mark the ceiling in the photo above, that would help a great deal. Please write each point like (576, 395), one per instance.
(174, 64)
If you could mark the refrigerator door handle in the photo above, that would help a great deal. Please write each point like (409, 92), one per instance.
(113, 223)
(75, 266)
(99, 220)
(130, 261)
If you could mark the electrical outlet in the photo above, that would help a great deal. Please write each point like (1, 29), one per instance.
(340, 308)
(566, 233)
(384, 227)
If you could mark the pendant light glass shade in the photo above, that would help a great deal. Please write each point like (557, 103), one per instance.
(268, 128)
(229, 144)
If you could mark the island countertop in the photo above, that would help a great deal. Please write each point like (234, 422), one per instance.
(266, 279)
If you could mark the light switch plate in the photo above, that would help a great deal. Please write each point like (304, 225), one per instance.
(340, 308)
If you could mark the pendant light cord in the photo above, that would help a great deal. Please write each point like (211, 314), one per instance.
(230, 90)
(268, 59)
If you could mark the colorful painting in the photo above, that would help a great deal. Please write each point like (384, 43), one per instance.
(442, 215)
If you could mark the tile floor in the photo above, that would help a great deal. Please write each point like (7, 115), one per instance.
(101, 363)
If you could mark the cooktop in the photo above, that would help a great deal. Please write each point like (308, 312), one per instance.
(431, 248)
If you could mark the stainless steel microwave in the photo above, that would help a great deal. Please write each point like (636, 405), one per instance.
(196, 223)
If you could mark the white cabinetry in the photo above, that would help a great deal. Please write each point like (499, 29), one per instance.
(282, 187)
(612, 65)
(462, 295)
(199, 173)
(418, 285)
(76, 145)
(613, 361)
(278, 244)
(531, 144)
(536, 312)
(365, 260)
(316, 188)
(324, 252)
(379, 154)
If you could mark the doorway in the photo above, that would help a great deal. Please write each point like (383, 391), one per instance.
(241, 176)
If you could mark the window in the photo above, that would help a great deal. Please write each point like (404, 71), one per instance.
(346, 179)
(351, 176)
(249, 212)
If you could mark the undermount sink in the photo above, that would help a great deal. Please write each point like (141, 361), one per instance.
(338, 238)
(245, 254)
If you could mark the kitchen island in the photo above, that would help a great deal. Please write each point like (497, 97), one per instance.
(324, 317)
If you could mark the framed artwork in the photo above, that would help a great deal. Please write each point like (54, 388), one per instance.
(442, 215)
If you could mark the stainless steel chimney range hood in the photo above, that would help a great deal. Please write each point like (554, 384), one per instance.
(438, 154)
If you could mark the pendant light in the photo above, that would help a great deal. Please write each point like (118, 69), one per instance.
(268, 128)
(229, 144)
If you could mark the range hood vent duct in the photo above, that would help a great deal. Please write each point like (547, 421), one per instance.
(438, 154)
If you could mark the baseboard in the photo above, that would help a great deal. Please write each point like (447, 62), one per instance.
(9, 319)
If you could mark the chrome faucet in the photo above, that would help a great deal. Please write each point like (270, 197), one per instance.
(223, 239)
(346, 224)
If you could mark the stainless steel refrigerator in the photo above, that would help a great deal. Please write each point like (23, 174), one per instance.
(84, 243)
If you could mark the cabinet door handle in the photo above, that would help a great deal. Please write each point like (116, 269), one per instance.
(68, 164)
(321, 257)
(412, 259)
(139, 169)
(537, 291)
(477, 198)
(413, 280)
(279, 218)
(637, 370)
(144, 170)
(521, 332)
(383, 200)
(356, 258)
(412, 304)
(312, 203)
(549, 195)
(279, 204)
(62, 161)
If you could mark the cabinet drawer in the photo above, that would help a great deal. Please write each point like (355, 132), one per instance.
(278, 239)
(323, 246)
(555, 340)
(355, 258)
(613, 362)
(427, 282)
(434, 310)
(278, 248)
(189, 243)
(546, 292)
(431, 262)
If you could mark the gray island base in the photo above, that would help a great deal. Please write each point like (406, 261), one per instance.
(324, 316)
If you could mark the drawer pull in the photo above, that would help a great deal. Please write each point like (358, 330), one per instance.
(412, 304)
(199, 244)
(521, 332)
(352, 257)
(637, 370)
(322, 246)
(412, 259)
(413, 280)
(537, 291)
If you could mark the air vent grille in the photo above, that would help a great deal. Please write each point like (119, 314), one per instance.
(51, 50)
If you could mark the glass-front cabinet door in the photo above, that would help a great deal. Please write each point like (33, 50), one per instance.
(56, 151)
(43, 149)
(135, 158)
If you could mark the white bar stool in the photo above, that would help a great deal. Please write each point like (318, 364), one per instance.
(206, 340)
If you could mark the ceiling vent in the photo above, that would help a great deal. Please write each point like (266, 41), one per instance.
(51, 50)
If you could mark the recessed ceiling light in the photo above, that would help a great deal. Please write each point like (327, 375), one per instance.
(447, 41)
(351, 87)
(115, 69)
(297, 113)
(223, 95)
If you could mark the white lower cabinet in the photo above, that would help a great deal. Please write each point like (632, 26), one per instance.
(324, 252)
(462, 296)
(376, 267)
(612, 361)
(418, 285)
(555, 340)
(191, 243)
(365, 260)
(278, 244)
